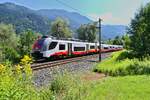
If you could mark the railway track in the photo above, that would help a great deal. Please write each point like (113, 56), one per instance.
(62, 62)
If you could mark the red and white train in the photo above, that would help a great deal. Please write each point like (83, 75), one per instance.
(47, 47)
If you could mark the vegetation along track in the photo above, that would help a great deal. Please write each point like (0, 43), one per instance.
(38, 66)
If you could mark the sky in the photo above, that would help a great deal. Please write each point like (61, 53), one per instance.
(118, 12)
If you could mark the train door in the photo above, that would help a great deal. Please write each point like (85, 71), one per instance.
(96, 47)
(87, 48)
(69, 49)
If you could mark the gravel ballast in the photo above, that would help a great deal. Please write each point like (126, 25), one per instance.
(43, 77)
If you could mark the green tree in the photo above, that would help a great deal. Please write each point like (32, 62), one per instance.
(126, 41)
(60, 29)
(118, 41)
(140, 32)
(8, 42)
(82, 35)
(27, 39)
(87, 32)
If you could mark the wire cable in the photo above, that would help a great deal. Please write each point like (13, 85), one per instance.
(67, 5)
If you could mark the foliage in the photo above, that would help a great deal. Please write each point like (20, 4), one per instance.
(11, 54)
(25, 62)
(118, 41)
(126, 41)
(139, 31)
(118, 65)
(60, 29)
(16, 85)
(87, 32)
(27, 39)
(9, 42)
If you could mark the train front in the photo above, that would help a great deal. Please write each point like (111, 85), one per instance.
(39, 48)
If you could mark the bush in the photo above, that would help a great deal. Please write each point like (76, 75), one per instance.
(120, 65)
(11, 55)
(15, 85)
(125, 55)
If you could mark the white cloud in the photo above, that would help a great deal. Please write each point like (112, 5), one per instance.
(108, 18)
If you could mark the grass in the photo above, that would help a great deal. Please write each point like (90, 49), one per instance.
(112, 64)
(17, 85)
(120, 65)
(121, 88)
(69, 87)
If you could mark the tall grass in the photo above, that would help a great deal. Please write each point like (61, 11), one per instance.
(69, 87)
(16, 84)
(120, 64)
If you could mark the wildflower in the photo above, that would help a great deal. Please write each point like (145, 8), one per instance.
(18, 69)
(2, 68)
(26, 60)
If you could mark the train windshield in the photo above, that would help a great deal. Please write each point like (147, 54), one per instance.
(38, 44)
(52, 45)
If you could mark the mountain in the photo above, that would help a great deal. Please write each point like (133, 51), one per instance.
(75, 19)
(23, 18)
(111, 31)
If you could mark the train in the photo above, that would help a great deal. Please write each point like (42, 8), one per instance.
(47, 47)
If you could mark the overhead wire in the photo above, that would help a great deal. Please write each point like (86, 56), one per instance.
(73, 8)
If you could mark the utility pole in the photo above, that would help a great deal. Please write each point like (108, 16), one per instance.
(100, 58)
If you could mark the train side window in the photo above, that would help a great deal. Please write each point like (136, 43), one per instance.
(61, 46)
(79, 48)
(92, 47)
(105, 47)
(52, 45)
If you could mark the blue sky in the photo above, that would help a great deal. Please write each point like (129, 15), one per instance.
(111, 11)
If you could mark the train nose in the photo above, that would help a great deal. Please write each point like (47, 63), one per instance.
(37, 54)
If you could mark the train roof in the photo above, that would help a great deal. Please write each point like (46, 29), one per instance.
(49, 39)
(68, 41)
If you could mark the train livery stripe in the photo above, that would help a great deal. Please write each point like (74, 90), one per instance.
(65, 53)
(62, 53)
(79, 52)
(92, 51)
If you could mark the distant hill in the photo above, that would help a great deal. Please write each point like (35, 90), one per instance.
(74, 18)
(111, 31)
(24, 18)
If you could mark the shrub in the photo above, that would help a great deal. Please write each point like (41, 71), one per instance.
(69, 87)
(14, 86)
(120, 65)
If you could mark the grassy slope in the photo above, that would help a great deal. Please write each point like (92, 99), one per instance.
(121, 88)
(111, 64)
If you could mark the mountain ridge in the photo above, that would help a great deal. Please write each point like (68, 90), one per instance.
(39, 20)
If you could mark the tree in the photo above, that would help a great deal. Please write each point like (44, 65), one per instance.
(118, 41)
(126, 41)
(8, 36)
(82, 35)
(27, 39)
(139, 31)
(8, 42)
(87, 32)
(60, 29)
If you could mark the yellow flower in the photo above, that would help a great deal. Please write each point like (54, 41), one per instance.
(28, 70)
(26, 60)
(18, 69)
(2, 68)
